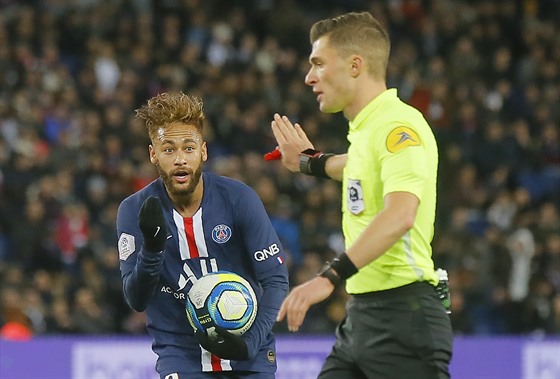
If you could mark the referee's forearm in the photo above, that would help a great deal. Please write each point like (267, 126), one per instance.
(385, 229)
(334, 167)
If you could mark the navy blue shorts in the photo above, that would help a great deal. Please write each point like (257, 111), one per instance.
(221, 375)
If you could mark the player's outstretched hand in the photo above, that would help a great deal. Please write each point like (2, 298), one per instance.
(152, 224)
(291, 140)
(227, 346)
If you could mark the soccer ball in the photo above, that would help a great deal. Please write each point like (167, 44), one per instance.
(223, 299)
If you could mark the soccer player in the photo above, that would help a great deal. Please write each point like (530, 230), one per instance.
(396, 326)
(188, 223)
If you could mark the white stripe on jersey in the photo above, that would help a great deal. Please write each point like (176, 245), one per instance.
(206, 358)
(183, 245)
(198, 232)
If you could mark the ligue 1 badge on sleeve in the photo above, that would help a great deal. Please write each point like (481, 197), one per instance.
(126, 246)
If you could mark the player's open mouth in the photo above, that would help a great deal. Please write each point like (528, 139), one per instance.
(181, 176)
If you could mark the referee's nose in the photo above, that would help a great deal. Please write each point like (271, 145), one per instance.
(310, 77)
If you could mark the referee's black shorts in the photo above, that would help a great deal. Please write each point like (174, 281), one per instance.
(401, 333)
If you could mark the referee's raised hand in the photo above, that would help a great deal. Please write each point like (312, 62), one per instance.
(152, 224)
(291, 140)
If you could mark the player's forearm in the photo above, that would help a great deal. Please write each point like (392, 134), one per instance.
(275, 287)
(140, 284)
(334, 167)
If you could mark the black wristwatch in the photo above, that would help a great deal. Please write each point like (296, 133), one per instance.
(305, 158)
(330, 274)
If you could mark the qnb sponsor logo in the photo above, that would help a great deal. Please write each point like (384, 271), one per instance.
(261, 255)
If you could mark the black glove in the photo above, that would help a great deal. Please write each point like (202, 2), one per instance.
(152, 225)
(227, 346)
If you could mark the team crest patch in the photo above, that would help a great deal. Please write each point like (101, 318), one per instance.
(401, 138)
(126, 246)
(221, 233)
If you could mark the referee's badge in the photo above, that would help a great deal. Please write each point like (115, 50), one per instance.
(356, 203)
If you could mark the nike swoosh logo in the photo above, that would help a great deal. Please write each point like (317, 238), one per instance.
(168, 237)
(157, 231)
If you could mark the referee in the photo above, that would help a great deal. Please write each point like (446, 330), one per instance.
(396, 325)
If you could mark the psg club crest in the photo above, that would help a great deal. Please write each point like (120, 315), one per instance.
(221, 233)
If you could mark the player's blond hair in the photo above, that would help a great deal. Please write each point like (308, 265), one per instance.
(357, 33)
(168, 108)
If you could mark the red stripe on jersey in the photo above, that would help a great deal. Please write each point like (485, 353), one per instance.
(216, 363)
(189, 231)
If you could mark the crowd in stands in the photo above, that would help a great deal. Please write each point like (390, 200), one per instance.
(485, 74)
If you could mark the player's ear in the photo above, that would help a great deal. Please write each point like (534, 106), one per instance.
(153, 157)
(204, 152)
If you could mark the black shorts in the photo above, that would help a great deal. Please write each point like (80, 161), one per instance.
(400, 333)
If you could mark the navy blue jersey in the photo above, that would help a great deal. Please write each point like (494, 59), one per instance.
(230, 231)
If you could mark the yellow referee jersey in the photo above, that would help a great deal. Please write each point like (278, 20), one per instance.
(392, 148)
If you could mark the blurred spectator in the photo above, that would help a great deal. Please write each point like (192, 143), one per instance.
(15, 323)
(59, 320)
(88, 315)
